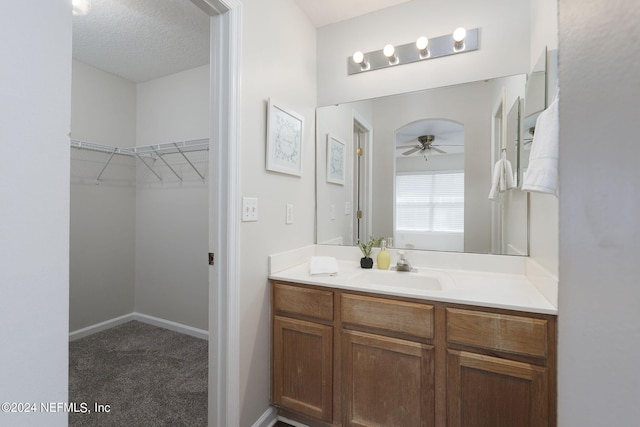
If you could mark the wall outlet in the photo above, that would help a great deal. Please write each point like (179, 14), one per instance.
(249, 209)
(347, 208)
(289, 217)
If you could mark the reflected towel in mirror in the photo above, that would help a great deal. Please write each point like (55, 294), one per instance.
(502, 177)
(542, 172)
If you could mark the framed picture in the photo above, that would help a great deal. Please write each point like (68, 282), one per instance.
(284, 139)
(336, 157)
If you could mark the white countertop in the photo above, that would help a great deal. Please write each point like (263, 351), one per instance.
(512, 291)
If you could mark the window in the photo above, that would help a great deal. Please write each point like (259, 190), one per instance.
(430, 202)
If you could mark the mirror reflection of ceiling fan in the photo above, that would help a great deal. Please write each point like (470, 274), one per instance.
(425, 143)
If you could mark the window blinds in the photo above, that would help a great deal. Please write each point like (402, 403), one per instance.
(432, 202)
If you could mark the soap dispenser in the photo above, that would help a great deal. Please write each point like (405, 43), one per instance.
(384, 259)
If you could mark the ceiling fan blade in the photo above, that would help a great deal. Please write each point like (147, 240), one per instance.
(408, 146)
(438, 150)
(413, 150)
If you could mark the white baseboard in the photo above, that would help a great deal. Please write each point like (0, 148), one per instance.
(268, 419)
(172, 326)
(145, 318)
(99, 327)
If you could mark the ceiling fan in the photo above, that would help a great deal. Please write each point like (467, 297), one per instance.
(425, 143)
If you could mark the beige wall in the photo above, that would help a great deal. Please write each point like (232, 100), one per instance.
(278, 61)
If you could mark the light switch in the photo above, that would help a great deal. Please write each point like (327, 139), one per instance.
(289, 217)
(347, 208)
(332, 211)
(249, 209)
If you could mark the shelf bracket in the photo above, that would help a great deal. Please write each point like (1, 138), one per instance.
(113, 153)
(189, 161)
(148, 167)
(166, 163)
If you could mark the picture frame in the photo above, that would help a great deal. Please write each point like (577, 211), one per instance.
(285, 130)
(336, 158)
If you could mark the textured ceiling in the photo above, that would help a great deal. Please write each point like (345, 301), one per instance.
(142, 40)
(324, 12)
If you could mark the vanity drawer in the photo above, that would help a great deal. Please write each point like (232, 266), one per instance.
(500, 332)
(307, 302)
(399, 317)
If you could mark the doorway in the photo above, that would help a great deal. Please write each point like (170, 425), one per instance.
(362, 178)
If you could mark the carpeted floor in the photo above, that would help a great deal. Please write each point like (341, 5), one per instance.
(147, 376)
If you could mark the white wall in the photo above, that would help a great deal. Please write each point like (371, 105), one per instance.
(103, 107)
(599, 296)
(502, 50)
(35, 82)
(102, 226)
(279, 61)
(172, 217)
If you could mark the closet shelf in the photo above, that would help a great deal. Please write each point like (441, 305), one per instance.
(149, 152)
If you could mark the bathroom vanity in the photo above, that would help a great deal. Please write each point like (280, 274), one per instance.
(359, 349)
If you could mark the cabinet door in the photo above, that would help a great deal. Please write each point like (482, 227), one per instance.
(303, 367)
(487, 391)
(387, 381)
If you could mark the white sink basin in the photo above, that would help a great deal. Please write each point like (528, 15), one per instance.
(421, 280)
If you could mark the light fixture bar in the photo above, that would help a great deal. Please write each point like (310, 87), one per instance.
(408, 53)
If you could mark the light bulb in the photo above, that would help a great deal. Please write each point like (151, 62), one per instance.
(422, 43)
(389, 50)
(358, 57)
(80, 7)
(459, 34)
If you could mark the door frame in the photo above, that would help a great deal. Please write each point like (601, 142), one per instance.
(224, 224)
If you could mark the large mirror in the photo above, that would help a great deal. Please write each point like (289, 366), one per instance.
(418, 169)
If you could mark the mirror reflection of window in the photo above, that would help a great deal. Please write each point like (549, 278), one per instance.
(430, 210)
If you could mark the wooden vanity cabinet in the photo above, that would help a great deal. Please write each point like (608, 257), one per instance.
(302, 346)
(344, 358)
(387, 363)
(500, 369)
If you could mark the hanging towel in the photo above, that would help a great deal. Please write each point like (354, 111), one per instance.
(542, 173)
(502, 177)
(323, 265)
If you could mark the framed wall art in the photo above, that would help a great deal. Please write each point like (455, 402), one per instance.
(336, 157)
(285, 130)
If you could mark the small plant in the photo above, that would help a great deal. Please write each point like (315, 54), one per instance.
(366, 248)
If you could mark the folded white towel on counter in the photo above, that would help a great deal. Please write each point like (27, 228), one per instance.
(542, 173)
(323, 265)
(502, 178)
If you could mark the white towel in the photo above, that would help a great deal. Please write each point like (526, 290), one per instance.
(502, 178)
(542, 172)
(323, 265)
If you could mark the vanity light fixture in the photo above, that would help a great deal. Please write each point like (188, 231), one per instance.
(80, 7)
(358, 58)
(390, 52)
(422, 49)
(422, 44)
(458, 39)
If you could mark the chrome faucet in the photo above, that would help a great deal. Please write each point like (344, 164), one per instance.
(403, 264)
